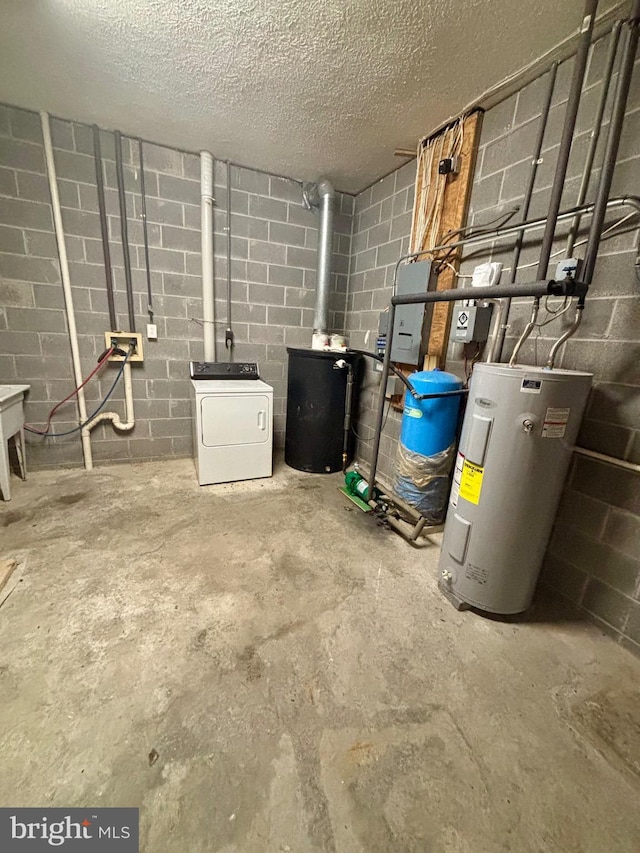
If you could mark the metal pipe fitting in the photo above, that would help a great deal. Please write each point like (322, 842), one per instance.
(553, 352)
(527, 331)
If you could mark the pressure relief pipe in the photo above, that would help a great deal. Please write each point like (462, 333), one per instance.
(206, 226)
(66, 282)
(327, 197)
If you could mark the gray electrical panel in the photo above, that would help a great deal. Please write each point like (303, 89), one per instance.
(410, 319)
(517, 438)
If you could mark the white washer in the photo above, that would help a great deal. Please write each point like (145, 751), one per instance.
(232, 429)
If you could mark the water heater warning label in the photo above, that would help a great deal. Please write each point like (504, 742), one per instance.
(555, 423)
(471, 482)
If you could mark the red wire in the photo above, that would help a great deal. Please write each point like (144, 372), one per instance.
(72, 394)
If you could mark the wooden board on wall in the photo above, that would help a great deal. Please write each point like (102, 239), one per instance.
(454, 216)
(455, 208)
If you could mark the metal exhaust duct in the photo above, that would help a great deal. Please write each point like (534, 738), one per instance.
(326, 202)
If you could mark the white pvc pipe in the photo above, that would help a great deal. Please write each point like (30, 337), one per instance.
(66, 284)
(206, 226)
(609, 460)
(114, 417)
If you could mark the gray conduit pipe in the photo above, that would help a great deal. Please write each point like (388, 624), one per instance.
(606, 175)
(502, 319)
(124, 232)
(614, 39)
(104, 228)
(613, 142)
(325, 245)
(566, 139)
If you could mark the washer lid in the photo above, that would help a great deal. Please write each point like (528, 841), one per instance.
(231, 386)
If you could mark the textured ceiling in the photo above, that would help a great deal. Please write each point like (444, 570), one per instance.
(298, 87)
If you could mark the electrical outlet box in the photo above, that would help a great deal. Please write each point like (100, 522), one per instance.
(152, 332)
(471, 323)
(123, 341)
(449, 166)
(568, 267)
(486, 275)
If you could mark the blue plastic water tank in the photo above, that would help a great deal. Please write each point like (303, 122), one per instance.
(429, 426)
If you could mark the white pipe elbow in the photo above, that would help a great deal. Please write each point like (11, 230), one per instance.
(114, 417)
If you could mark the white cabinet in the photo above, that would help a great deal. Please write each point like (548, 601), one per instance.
(232, 429)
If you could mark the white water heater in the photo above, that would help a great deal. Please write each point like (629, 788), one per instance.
(519, 430)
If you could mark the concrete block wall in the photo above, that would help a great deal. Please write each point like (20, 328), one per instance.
(272, 269)
(381, 230)
(594, 553)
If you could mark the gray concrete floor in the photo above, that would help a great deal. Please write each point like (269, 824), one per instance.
(303, 683)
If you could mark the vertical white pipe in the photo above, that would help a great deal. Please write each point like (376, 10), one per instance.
(66, 283)
(128, 397)
(206, 225)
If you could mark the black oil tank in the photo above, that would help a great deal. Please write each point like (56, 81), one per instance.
(316, 400)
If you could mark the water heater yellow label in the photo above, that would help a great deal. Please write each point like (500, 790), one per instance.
(471, 482)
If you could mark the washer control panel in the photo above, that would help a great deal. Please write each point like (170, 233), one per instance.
(223, 370)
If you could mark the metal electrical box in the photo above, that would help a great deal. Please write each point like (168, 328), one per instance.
(517, 438)
(471, 323)
(410, 319)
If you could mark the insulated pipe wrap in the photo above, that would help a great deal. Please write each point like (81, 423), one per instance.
(327, 197)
